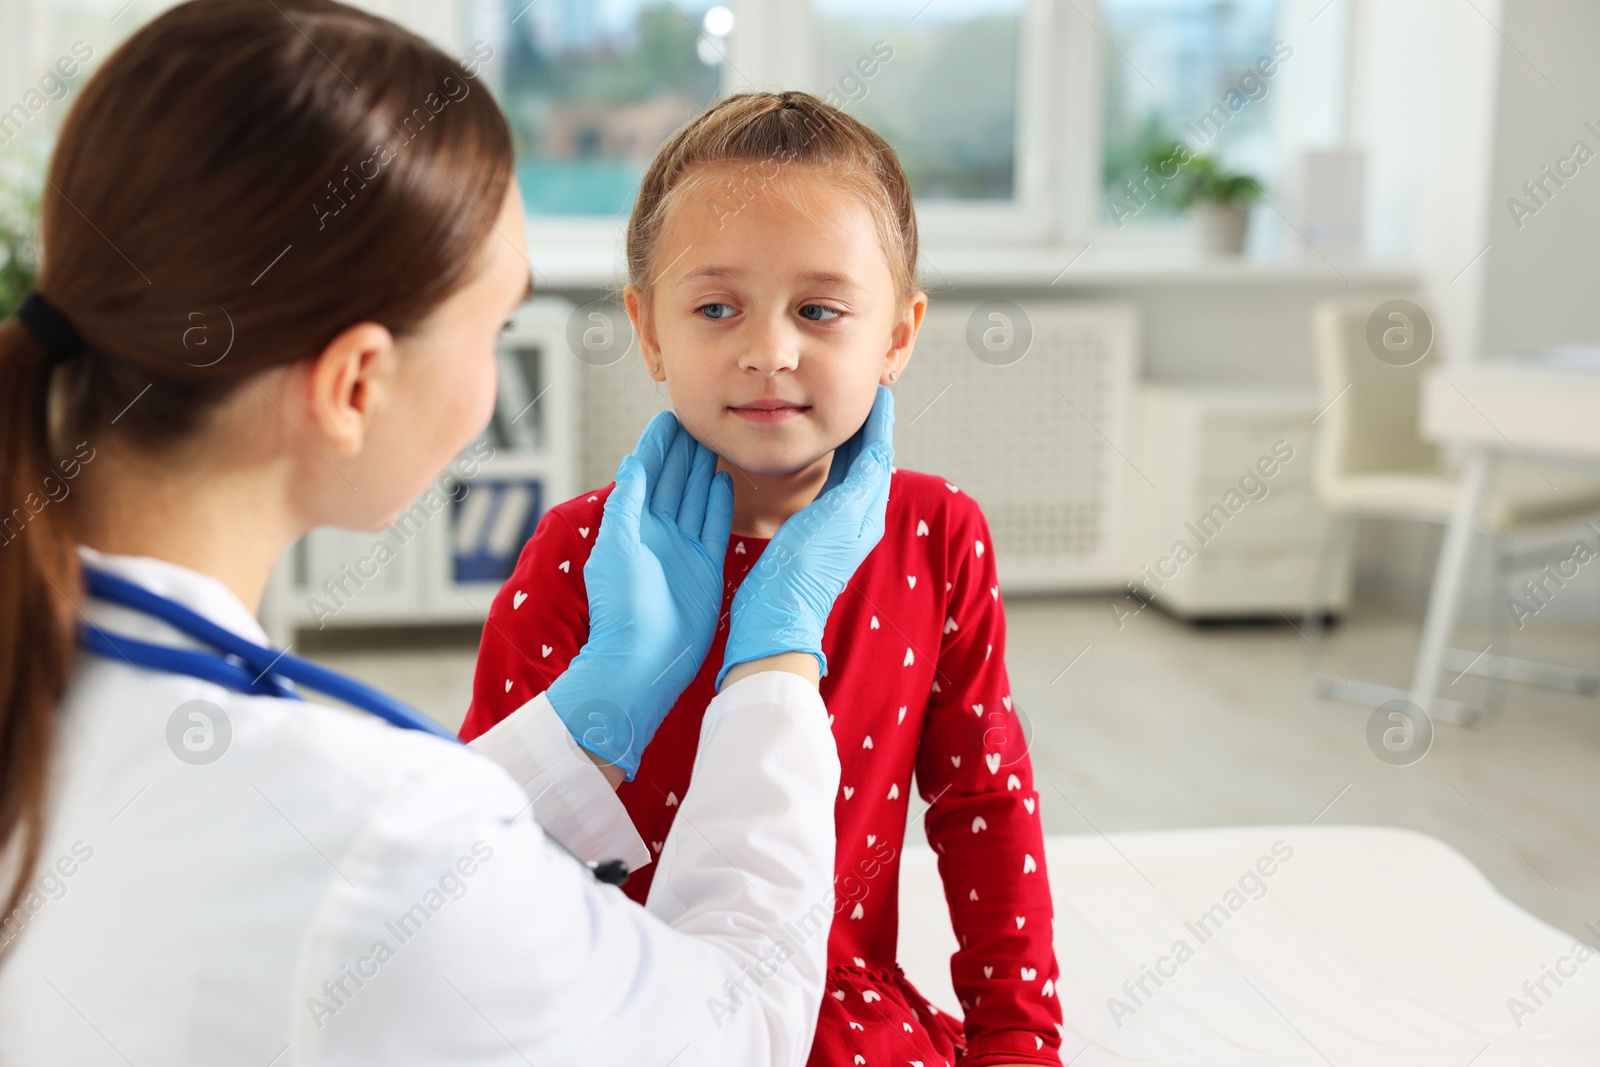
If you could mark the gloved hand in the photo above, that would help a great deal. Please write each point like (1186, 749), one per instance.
(655, 594)
(784, 602)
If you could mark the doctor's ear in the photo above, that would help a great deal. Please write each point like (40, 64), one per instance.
(903, 338)
(347, 383)
(644, 329)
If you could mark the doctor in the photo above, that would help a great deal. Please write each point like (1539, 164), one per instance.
(278, 243)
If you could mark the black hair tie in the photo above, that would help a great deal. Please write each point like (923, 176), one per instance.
(50, 328)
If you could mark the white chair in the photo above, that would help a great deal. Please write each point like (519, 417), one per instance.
(1372, 462)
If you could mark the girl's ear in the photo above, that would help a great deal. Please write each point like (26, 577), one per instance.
(903, 339)
(644, 329)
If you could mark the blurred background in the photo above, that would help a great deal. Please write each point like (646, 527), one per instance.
(1299, 285)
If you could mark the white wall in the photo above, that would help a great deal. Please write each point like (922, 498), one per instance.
(1542, 276)
(1423, 79)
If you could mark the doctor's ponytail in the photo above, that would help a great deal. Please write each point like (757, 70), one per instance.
(237, 184)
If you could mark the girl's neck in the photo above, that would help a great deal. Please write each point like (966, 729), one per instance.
(761, 502)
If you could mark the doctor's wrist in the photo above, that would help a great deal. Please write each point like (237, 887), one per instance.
(804, 664)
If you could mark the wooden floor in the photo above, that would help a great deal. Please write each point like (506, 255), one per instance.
(1158, 724)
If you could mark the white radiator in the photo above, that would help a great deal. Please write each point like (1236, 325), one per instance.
(1040, 443)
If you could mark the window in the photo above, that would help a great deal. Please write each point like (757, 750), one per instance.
(1189, 72)
(942, 86)
(591, 91)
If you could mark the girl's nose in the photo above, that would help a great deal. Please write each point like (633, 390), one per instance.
(774, 347)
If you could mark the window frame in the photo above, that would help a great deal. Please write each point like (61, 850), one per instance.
(1060, 114)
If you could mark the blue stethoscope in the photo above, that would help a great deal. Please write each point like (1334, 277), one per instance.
(247, 667)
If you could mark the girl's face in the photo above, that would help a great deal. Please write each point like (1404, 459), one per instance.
(773, 327)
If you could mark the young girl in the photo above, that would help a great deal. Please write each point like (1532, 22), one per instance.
(772, 250)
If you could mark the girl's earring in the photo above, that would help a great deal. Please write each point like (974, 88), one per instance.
(657, 368)
(894, 374)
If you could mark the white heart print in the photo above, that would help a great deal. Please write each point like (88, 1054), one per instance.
(517, 599)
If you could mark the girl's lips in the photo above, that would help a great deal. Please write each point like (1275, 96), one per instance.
(769, 414)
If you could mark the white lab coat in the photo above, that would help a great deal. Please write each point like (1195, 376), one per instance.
(333, 890)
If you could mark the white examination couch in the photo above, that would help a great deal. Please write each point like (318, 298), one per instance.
(1367, 946)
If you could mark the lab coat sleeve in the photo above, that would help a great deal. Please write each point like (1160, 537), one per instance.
(571, 798)
(455, 932)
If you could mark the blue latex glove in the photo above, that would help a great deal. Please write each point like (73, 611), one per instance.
(655, 594)
(784, 603)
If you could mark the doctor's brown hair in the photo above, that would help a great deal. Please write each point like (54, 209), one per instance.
(238, 184)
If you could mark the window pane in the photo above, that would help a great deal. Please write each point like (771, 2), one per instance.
(592, 89)
(1186, 71)
(946, 97)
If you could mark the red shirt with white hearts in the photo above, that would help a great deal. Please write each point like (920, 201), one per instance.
(916, 682)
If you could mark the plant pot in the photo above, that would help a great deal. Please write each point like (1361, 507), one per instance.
(1223, 228)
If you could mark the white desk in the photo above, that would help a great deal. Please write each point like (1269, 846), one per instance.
(1546, 407)
(1368, 946)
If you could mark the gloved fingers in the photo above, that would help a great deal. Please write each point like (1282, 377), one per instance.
(843, 458)
(626, 502)
(879, 427)
(666, 496)
(862, 499)
(876, 511)
(655, 442)
(718, 524)
(692, 511)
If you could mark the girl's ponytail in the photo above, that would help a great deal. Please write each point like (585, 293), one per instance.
(38, 582)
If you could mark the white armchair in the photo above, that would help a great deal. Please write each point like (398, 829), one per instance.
(1372, 462)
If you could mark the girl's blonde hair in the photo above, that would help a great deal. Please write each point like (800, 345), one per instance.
(757, 136)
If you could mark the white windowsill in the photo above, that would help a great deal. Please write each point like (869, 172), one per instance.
(598, 266)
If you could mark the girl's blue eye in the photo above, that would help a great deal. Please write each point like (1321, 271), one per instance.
(715, 312)
(820, 313)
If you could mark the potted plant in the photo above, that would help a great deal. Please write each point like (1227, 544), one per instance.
(19, 231)
(1221, 202)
